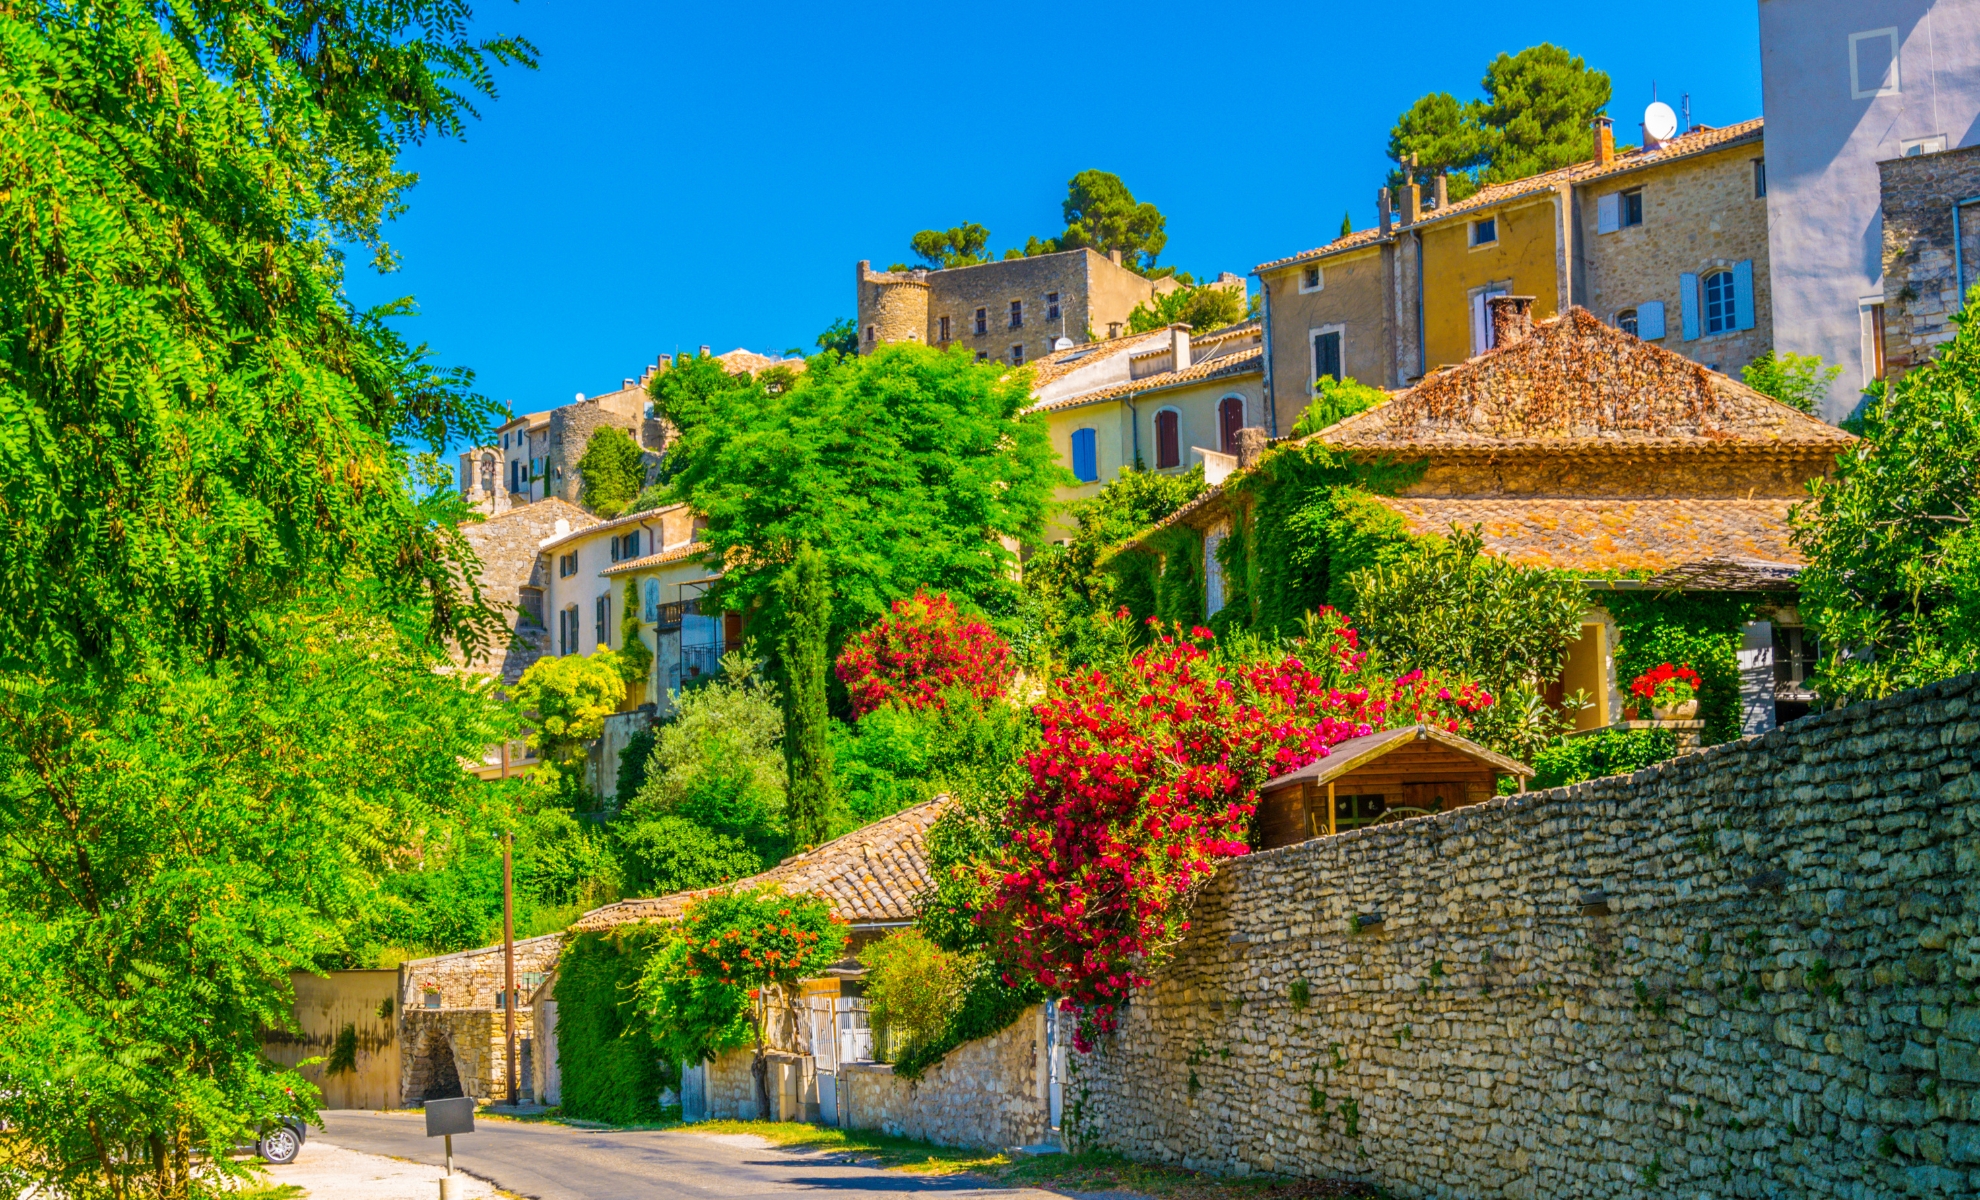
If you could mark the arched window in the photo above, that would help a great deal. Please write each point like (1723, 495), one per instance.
(1626, 321)
(650, 602)
(1085, 456)
(1168, 439)
(1721, 302)
(1230, 419)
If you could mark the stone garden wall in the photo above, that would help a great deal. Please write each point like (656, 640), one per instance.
(1751, 971)
(990, 1092)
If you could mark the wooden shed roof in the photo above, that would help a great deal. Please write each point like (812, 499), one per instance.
(1354, 753)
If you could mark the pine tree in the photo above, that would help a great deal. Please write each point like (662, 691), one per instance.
(1347, 224)
(804, 593)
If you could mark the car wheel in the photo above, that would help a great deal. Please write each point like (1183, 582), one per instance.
(281, 1146)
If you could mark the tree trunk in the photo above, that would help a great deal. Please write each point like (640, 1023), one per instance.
(759, 1067)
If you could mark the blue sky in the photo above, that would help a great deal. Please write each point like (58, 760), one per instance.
(680, 175)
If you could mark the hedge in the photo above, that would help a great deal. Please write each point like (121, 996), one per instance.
(612, 1071)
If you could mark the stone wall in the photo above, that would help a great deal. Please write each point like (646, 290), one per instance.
(473, 978)
(365, 1002)
(1920, 291)
(513, 576)
(1750, 971)
(572, 425)
(1094, 294)
(461, 1052)
(990, 1092)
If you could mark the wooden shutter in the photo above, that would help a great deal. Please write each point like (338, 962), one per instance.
(1168, 448)
(1650, 320)
(1084, 445)
(1230, 413)
(1743, 294)
(1688, 304)
(1607, 213)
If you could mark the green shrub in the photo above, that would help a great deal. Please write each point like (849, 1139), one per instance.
(661, 855)
(913, 987)
(612, 1070)
(1335, 401)
(1611, 752)
(611, 472)
(1701, 629)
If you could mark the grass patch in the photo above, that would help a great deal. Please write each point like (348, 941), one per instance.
(1099, 1171)
(273, 1191)
(870, 1146)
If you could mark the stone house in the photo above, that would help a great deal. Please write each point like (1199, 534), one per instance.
(514, 577)
(1575, 446)
(1162, 401)
(1014, 310)
(1931, 253)
(1847, 85)
(1667, 240)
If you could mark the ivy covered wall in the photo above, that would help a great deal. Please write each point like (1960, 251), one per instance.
(611, 1069)
(1699, 628)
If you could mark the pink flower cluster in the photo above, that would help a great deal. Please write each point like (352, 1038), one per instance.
(1147, 775)
(924, 649)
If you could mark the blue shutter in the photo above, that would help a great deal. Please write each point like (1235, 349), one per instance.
(1085, 466)
(1650, 320)
(1743, 294)
(1688, 300)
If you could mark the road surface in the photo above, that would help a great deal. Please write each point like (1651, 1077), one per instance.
(556, 1162)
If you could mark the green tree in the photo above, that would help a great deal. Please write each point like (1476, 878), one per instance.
(635, 657)
(662, 855)
(719, 762)
(1796, 380)
(1101, 214)
(1201, 308)
(1347, 224)
(962, 246)
(566, 699)
(804, 596)
(611, 472)
(904, 467)
(1535, 116)
(1338, 399)
(1892, 586)
(841, 335)
(757, 940)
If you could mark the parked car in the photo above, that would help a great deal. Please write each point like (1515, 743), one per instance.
(282, 1143)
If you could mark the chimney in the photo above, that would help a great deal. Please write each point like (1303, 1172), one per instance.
(1382, 207)
(1605, 141)
(1179, 347)
(1443, 190)
(663, 363)
(1114, 256)
(1512, 319)
(1412, 204)
(705, 350)
(1251, 443)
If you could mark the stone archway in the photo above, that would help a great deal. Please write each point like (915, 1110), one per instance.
(435, 1074)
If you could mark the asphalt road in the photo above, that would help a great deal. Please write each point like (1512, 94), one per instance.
(556, 1162)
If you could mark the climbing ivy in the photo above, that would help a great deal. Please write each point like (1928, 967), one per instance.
(1702, 629)
(611, 1069)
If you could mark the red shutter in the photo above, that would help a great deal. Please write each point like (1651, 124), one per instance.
(1168, 449)
(1231, 414)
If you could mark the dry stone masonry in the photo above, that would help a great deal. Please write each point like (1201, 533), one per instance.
(1747, 972)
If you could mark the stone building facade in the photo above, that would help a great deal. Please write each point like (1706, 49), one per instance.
(1750, 971)
(1010, 311)
(451, 1033)
(514, 577)
(1931, 254)
(1336, 311)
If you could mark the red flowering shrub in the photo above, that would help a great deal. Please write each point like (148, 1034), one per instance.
(925, 648)
(1148, 773)
(1665, 686)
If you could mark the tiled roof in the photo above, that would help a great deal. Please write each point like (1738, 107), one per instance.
(662, 558)
(1727, 575)
(1577, 382)
(1352, 753)
(872, 875)
(748, 360)
(1049, 367)
(644, 514)
(1698, 141)
(1611, 534)
(1243, 362)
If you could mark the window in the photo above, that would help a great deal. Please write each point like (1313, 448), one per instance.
(567, 630)
(1113, 330)
(982, 356)
(1017, 355)
(1720, 298)
(1051, 306)
(1626, 321)
(1870, 311)
(1311, 280)
(1631, 208)
(650, 601)
(1795, 655)
(1482, 338)
(1485, 231)
(1759, 179)
(945, 330)
(871, 332)
(632, 544)
(602, 608)
(1913, 147)
(1017, 314)
(1327, 355)
(567, 565)
(982, 321)
(1213, 573)
(505, 441)
(1230, 419)
(1168, 439)
(1085, 456)
(1873, 63)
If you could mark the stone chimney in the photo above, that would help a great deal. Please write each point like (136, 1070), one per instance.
(1443, 192)
(1382, 207)
(705, 351)
(1605, 141)
(1179, 347)
(1114, 256)
(1412, 203)
(1251, 443)
(1512, 319)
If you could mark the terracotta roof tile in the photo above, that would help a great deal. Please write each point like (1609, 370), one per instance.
(1049, 367)
(1242, 362)
(873, 875)
(1353, 241)
(597, 526)
(662, 558)
(1612, 534)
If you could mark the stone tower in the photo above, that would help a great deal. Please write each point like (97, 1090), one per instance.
(893, 306)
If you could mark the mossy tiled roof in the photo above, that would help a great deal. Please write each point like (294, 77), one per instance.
(1610, 534)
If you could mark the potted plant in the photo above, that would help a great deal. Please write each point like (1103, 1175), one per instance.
(1671, 691)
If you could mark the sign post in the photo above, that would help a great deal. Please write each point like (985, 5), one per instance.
(444, 1119)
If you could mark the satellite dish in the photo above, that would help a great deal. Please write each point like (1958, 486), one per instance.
(1660, 124)
(1063, 343)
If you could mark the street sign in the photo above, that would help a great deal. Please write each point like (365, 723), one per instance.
(448, 1117)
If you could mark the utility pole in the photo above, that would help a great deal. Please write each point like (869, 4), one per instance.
(509, 963)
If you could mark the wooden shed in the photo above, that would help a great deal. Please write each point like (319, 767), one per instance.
(1397, 773)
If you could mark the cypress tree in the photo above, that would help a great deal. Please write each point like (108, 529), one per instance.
(804, 594)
